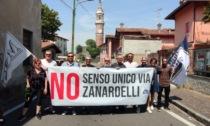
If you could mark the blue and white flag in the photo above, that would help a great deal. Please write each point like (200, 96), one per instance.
(180, 61)
(15, 53)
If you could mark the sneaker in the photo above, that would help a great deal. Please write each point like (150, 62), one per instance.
(65, 112)
(138, 109)
(38, 116)
(148, 110)
(162, 108)
(151, 107)
(21, 118)
(74, 113)
(51, 109)
(167, 108)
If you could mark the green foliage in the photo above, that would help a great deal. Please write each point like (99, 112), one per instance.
(206, 16)
(50, 23)
(91, 43)
(92, 48)
(81, 57)
(78, 49)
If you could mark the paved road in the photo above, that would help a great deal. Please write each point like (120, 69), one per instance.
(175, 117)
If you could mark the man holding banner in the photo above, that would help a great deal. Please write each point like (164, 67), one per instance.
(165, 72)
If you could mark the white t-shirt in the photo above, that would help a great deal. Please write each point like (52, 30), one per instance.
(46, 64)
(130, 65)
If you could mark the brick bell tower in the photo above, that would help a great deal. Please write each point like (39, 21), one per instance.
(99, 25)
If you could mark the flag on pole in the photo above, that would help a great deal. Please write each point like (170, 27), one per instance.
(15, 53)
(180, 61)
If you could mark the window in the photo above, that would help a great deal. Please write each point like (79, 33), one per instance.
(27, 42)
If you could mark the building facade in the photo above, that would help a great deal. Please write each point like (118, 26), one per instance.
(140, 41)
(188, 22)
(22, 18)
(62, 45)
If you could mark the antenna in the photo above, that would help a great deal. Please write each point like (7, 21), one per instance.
(158, 14)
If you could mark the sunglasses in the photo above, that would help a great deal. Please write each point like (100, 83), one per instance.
(48, 54)
(38, 63)
(70, 56)
(106, 60)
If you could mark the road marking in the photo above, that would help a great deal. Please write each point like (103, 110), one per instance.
(180, 118)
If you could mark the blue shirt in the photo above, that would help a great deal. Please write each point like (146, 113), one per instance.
(74, 64)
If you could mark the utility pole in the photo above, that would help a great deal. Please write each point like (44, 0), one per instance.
(73, 21)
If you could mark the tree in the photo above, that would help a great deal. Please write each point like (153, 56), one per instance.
(78, 49)
(206, 17)
(50, 23)
(92, 48)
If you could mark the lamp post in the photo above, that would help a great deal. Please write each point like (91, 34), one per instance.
(73, 21)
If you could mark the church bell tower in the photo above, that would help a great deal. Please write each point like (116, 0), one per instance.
(99, 25)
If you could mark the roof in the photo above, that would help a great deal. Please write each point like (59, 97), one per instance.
(50, 44)
(61, 37)
(173, 13)
(144, 31)
(168, 47)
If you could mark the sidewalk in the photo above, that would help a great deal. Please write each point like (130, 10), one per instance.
(192, 102)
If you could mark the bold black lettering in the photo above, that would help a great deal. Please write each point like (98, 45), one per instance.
(111, 91)
(107, 78)
(128, 78)
(86, 88)
(148, 79)
(114, 78)
(128, 95)
(104, 92)
(133, 80)
(101, 78)
(90, 79)
(98, 91)
(117, 91)
(141, 78)
(120, 78)
(91, 91)
(85, 78)
(123, 91)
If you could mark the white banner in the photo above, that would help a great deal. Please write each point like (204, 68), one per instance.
(15, 53)
(72, 86)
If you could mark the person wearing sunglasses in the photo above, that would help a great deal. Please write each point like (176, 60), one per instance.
(36, 81)
(69, 63)
(106, 63)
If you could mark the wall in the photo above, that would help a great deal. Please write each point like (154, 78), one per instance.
(62, 45)
(139, 47)
(15, 16)
(198, 83)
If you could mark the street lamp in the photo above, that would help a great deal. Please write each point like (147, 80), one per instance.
(73, 21)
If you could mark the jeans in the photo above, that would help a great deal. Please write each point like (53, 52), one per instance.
(167, 92)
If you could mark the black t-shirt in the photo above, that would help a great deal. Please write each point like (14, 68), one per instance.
(37, 81)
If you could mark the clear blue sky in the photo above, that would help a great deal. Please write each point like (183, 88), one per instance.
(133, 13)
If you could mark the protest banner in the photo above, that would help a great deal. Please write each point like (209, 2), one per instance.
(71, 86)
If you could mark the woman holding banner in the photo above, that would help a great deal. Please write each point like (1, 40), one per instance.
(154, 85)
(36, 83)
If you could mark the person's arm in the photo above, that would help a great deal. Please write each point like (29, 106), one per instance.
(27, 79)
(158, 70)
(45, 86)
(27, 82)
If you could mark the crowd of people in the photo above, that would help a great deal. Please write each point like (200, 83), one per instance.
(38, 85)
